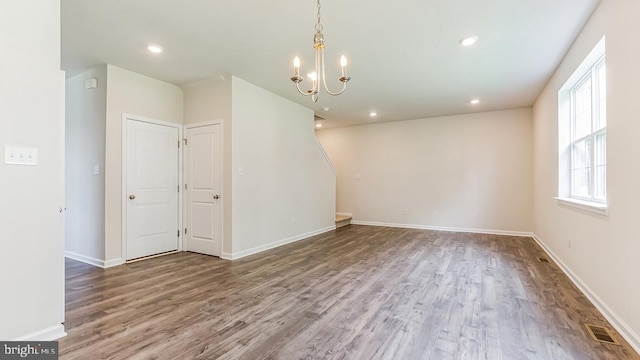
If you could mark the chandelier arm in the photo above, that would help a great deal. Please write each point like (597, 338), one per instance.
(305, 93)
(318, 69)
(324, 80)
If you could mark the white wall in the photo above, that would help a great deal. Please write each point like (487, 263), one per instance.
(207, 100)
(84, 149)
(287, 190)
(31, 114)
(135, 94)
(604, 250)
(463, 172)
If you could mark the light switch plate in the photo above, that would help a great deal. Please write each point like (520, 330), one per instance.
(20, 155)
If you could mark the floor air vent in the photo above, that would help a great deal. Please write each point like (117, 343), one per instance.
(601, 334)
(543, 259)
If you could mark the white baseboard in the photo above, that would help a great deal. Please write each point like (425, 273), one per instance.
(113, 262)
(85, 259)
(620, 325)
(93, 261)
(49, 334)
(344, 214)
(275, 244)
(443, 228)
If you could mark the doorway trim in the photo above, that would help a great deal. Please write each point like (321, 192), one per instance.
(123, 201)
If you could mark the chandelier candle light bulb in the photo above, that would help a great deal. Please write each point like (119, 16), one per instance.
(319, 75)
(343, 64)
(314, 77)
(296, 67)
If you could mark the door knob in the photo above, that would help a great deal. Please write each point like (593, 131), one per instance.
(132, 197)
(216, 197)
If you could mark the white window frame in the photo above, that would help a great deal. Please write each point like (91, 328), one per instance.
(593, 76)
(566, 141)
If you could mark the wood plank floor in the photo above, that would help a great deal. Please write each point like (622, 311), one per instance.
(356, 293)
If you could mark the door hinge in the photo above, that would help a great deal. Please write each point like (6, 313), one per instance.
(178, 233)
(178, 143)
(178, 188)
(185, 231)
(185, 142)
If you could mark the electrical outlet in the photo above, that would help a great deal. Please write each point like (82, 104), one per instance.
(406, 211)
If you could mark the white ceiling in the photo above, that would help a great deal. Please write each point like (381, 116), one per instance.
(404, 57)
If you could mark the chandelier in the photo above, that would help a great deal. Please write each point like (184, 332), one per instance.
(318, 75)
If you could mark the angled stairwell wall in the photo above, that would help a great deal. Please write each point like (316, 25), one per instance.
(283, 186)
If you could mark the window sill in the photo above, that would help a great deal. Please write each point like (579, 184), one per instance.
(597, 208)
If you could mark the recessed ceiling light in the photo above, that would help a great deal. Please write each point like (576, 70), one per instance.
(154, 49)
(474, 101)
(373, 114)
(318, 125)
(326, 108)
(468, 41)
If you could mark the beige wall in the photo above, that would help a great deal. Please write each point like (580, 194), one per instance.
(461, 172)
(84, 149)
(604, 249)
(134, 94)
(32, 115)
(287, 188)
(208, 100)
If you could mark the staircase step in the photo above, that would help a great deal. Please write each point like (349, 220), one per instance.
(343, 220)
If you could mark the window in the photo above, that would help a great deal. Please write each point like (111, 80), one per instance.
(589, 136)
(583, 133)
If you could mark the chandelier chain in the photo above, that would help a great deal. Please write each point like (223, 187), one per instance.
(319, 25)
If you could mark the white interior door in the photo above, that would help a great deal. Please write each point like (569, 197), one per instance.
(203, 164)
(151, 189)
